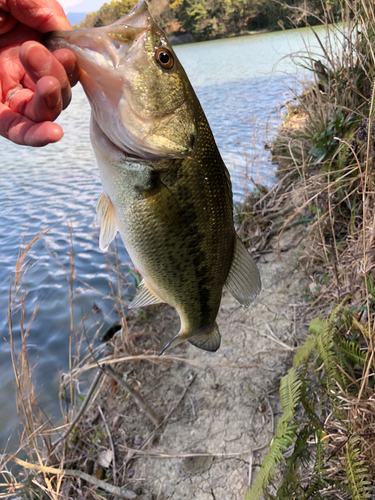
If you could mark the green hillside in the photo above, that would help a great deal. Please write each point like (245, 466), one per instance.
(210, 19)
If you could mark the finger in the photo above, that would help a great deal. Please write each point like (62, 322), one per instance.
(45, 104)
(39, 62)
(18, 35)
(7, 22)
(21, 130)
(67, 58)
(42, 15)
(28, 83)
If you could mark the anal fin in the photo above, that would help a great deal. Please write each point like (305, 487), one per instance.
(106, 220)
(144, 297)
(243, 280)
(177, 339)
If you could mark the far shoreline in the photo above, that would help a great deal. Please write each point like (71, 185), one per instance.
(186, 37)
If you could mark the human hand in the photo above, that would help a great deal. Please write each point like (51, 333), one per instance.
(35, 85)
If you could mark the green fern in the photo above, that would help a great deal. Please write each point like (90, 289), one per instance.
(352, 352)
(319, 471)
(309, 402)
(305, 350)
(355, 471)
(325, 331)
(290, 485)
(290, 392)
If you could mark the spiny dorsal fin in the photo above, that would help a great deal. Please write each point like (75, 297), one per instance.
(107, 221)
(243, 280)
(209, 341)
(144, 297)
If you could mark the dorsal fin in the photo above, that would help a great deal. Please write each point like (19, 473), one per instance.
(243, 280)
(144, 297)
(107, 221)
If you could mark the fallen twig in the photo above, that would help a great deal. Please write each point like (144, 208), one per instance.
(82, 409)
(250, 467)
(273, 232)
(150, 412)
(278, 341)
(147, 440)
(115, 490)
(157, 454)
(110, 360)
(111, 442)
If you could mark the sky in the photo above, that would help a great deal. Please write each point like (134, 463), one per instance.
(81, 5)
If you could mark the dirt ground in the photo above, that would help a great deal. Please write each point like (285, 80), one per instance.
(230, 405)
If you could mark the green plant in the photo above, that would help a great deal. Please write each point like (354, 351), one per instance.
(356, 471)
(323, 368)
(290, 389)
(325, 142)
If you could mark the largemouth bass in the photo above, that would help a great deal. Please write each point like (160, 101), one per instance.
(166, 189)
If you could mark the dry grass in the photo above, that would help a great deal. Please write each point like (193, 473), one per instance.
(325, 150)
(89, 455)
(52, 468)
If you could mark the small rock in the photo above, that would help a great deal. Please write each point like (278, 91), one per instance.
(196, 465)
(137, 440)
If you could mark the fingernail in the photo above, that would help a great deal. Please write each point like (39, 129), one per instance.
(69, 64)
(38, 59)
(52, 99)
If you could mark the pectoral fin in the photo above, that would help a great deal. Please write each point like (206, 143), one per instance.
(162, 202)
(144, 297)
(243, 280)
(107, 221)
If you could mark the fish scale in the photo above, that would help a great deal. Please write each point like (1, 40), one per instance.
(166, 188)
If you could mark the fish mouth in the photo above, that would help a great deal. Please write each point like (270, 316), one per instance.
(113, 59)
(99, 51)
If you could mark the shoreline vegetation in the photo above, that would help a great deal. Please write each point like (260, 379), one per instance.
(323, 444)
(325, 150)
(187, 21)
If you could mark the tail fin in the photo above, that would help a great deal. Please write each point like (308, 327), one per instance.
(209, 340)
(206, 338)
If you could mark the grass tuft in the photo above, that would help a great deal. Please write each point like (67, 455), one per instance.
(325, 151)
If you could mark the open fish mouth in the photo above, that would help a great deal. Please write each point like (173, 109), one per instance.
(101, 50)
(119, 70)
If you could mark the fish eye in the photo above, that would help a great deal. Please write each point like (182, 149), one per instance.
(164, 58)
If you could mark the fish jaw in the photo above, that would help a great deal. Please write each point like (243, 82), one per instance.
(144, 109)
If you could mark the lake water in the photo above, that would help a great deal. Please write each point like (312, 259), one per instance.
(240, 89)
